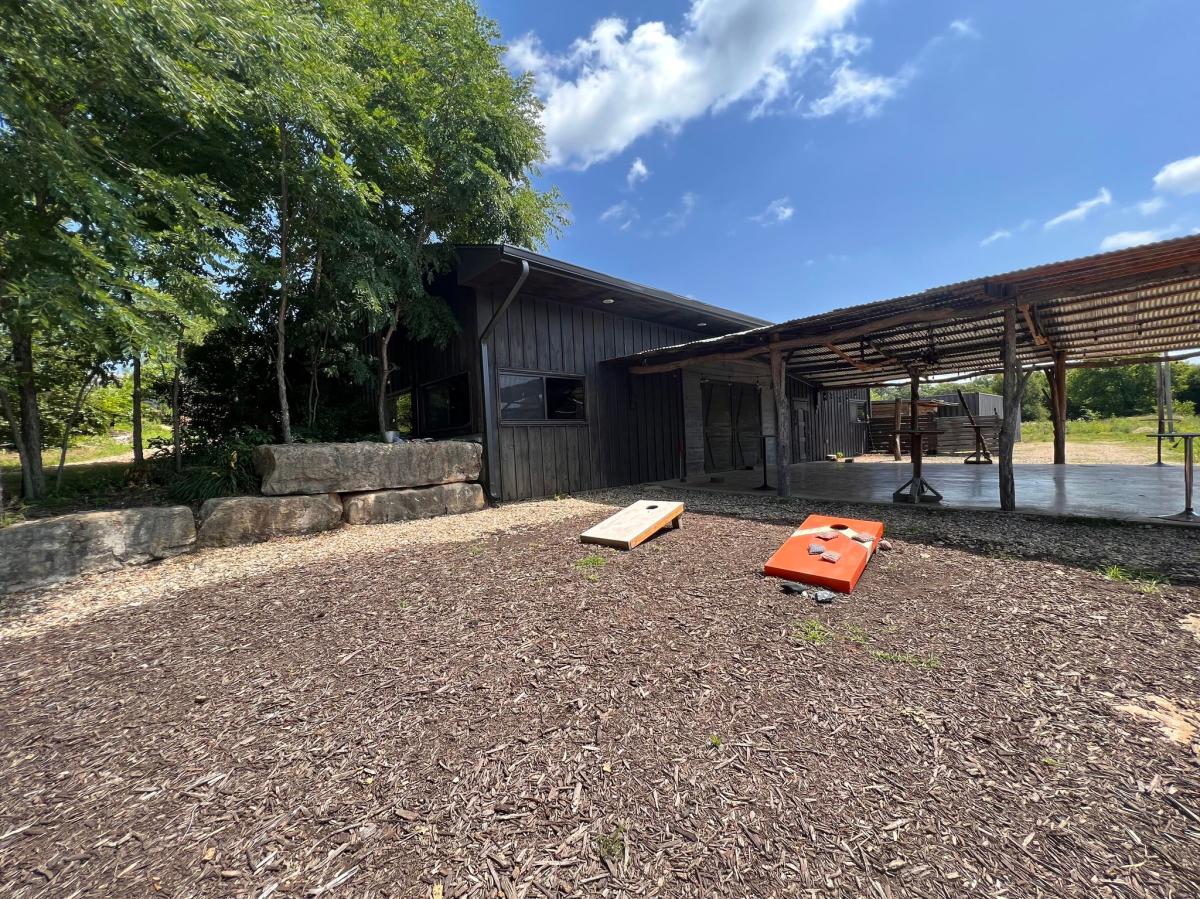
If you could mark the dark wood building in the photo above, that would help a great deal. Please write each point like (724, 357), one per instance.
(539, 371)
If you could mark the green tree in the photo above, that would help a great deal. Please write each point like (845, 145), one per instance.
(104, 109)
(1119, 390)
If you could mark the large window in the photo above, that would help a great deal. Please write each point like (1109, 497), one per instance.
(446, 404)
(535, 397)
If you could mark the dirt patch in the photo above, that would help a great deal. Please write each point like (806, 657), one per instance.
(1191, 624)
(1178, 723)
(482, 716)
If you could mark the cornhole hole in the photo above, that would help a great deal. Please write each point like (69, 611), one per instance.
(840, 565)
(634, 524)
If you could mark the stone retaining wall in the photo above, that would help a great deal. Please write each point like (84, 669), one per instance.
(308, 487)
(36, 553)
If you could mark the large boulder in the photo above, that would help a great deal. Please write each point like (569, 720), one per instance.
(405, 505)
(37, 553)
(310, 468)
(252, 519)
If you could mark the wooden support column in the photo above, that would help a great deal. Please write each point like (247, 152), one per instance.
(783, 423)
(1058, 406)
(1014, 389)
(916, 442)
(916, 489)
(896, 454)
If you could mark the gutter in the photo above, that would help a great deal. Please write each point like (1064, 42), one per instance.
(491, 430)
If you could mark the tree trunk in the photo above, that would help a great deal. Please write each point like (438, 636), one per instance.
(1014, 389)
(18, 442)
(783, 424)
(384, 371)
(285, 420)
(139, 455)
(30, 417)
(176, 420)
(70, 424)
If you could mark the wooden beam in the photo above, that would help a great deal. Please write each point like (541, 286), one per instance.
(923, 316)
(1038, 337)
(783, 423)
(846, 357)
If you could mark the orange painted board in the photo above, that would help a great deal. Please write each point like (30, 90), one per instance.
(793, 562)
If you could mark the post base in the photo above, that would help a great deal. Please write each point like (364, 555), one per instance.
(925, 493)
(1185, 517)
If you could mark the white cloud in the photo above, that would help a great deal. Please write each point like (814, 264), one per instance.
(1124, 239)
(998, 234)
(637, 172)
(675, 220)
(1151, 206)
(777, 212)
(622, 214)
(616, 84)
(964, 28)
(1081, 210)
(858, 93)
(846, 43)
(1179, 177)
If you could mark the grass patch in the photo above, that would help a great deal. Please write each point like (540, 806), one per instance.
(594, 562)
(812, 631)
(715, 741)
(611, 845)
(857, 635)
(1143, 583)
(906, 658)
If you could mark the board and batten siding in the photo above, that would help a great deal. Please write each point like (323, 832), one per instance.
(634, 426)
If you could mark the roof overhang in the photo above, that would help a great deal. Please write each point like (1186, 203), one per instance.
(1113, 308)
(495, 265)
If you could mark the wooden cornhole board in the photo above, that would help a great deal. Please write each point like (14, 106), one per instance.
(634, 524)
(793, 562)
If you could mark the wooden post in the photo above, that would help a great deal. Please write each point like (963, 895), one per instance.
(1014, 388)
(1058, 406)
(783, 423)
(916, 442)
(896, 454)
(1162, 408)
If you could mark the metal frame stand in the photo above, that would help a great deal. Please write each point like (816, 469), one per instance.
(1188, 515)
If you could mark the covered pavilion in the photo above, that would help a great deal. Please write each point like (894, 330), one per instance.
(1121, 308)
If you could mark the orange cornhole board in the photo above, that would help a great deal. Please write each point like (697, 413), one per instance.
(793, 561)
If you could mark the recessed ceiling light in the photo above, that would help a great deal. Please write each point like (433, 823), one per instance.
(608, 301)
(701, 324)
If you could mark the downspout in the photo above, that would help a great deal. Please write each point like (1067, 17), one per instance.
(491, 430)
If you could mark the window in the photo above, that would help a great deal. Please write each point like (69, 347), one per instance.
(446, 404)
(530, 397)
(564, 399)
(858, 411)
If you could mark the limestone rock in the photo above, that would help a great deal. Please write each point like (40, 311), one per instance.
(229, 520)
(37, 553)
(312, 468)
(404, 505)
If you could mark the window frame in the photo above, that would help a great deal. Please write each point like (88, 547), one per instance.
(544, 421)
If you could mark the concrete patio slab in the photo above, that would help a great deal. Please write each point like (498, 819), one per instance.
(1123, 492)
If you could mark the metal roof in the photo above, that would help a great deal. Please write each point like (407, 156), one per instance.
(493, 263)
(1111, 306)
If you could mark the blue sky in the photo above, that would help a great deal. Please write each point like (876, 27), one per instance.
(784, 157)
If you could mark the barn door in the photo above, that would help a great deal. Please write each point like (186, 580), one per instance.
(799, 430)
(718, 426)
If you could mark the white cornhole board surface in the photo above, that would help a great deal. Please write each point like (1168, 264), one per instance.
(634, 524)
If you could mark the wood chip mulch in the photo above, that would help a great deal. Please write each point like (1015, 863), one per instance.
(517, 715)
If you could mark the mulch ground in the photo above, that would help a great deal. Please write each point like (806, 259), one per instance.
(523, 716)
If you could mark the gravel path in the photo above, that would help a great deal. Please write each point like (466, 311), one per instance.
(480, 706)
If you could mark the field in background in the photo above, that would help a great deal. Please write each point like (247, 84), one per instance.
(1131, 433)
